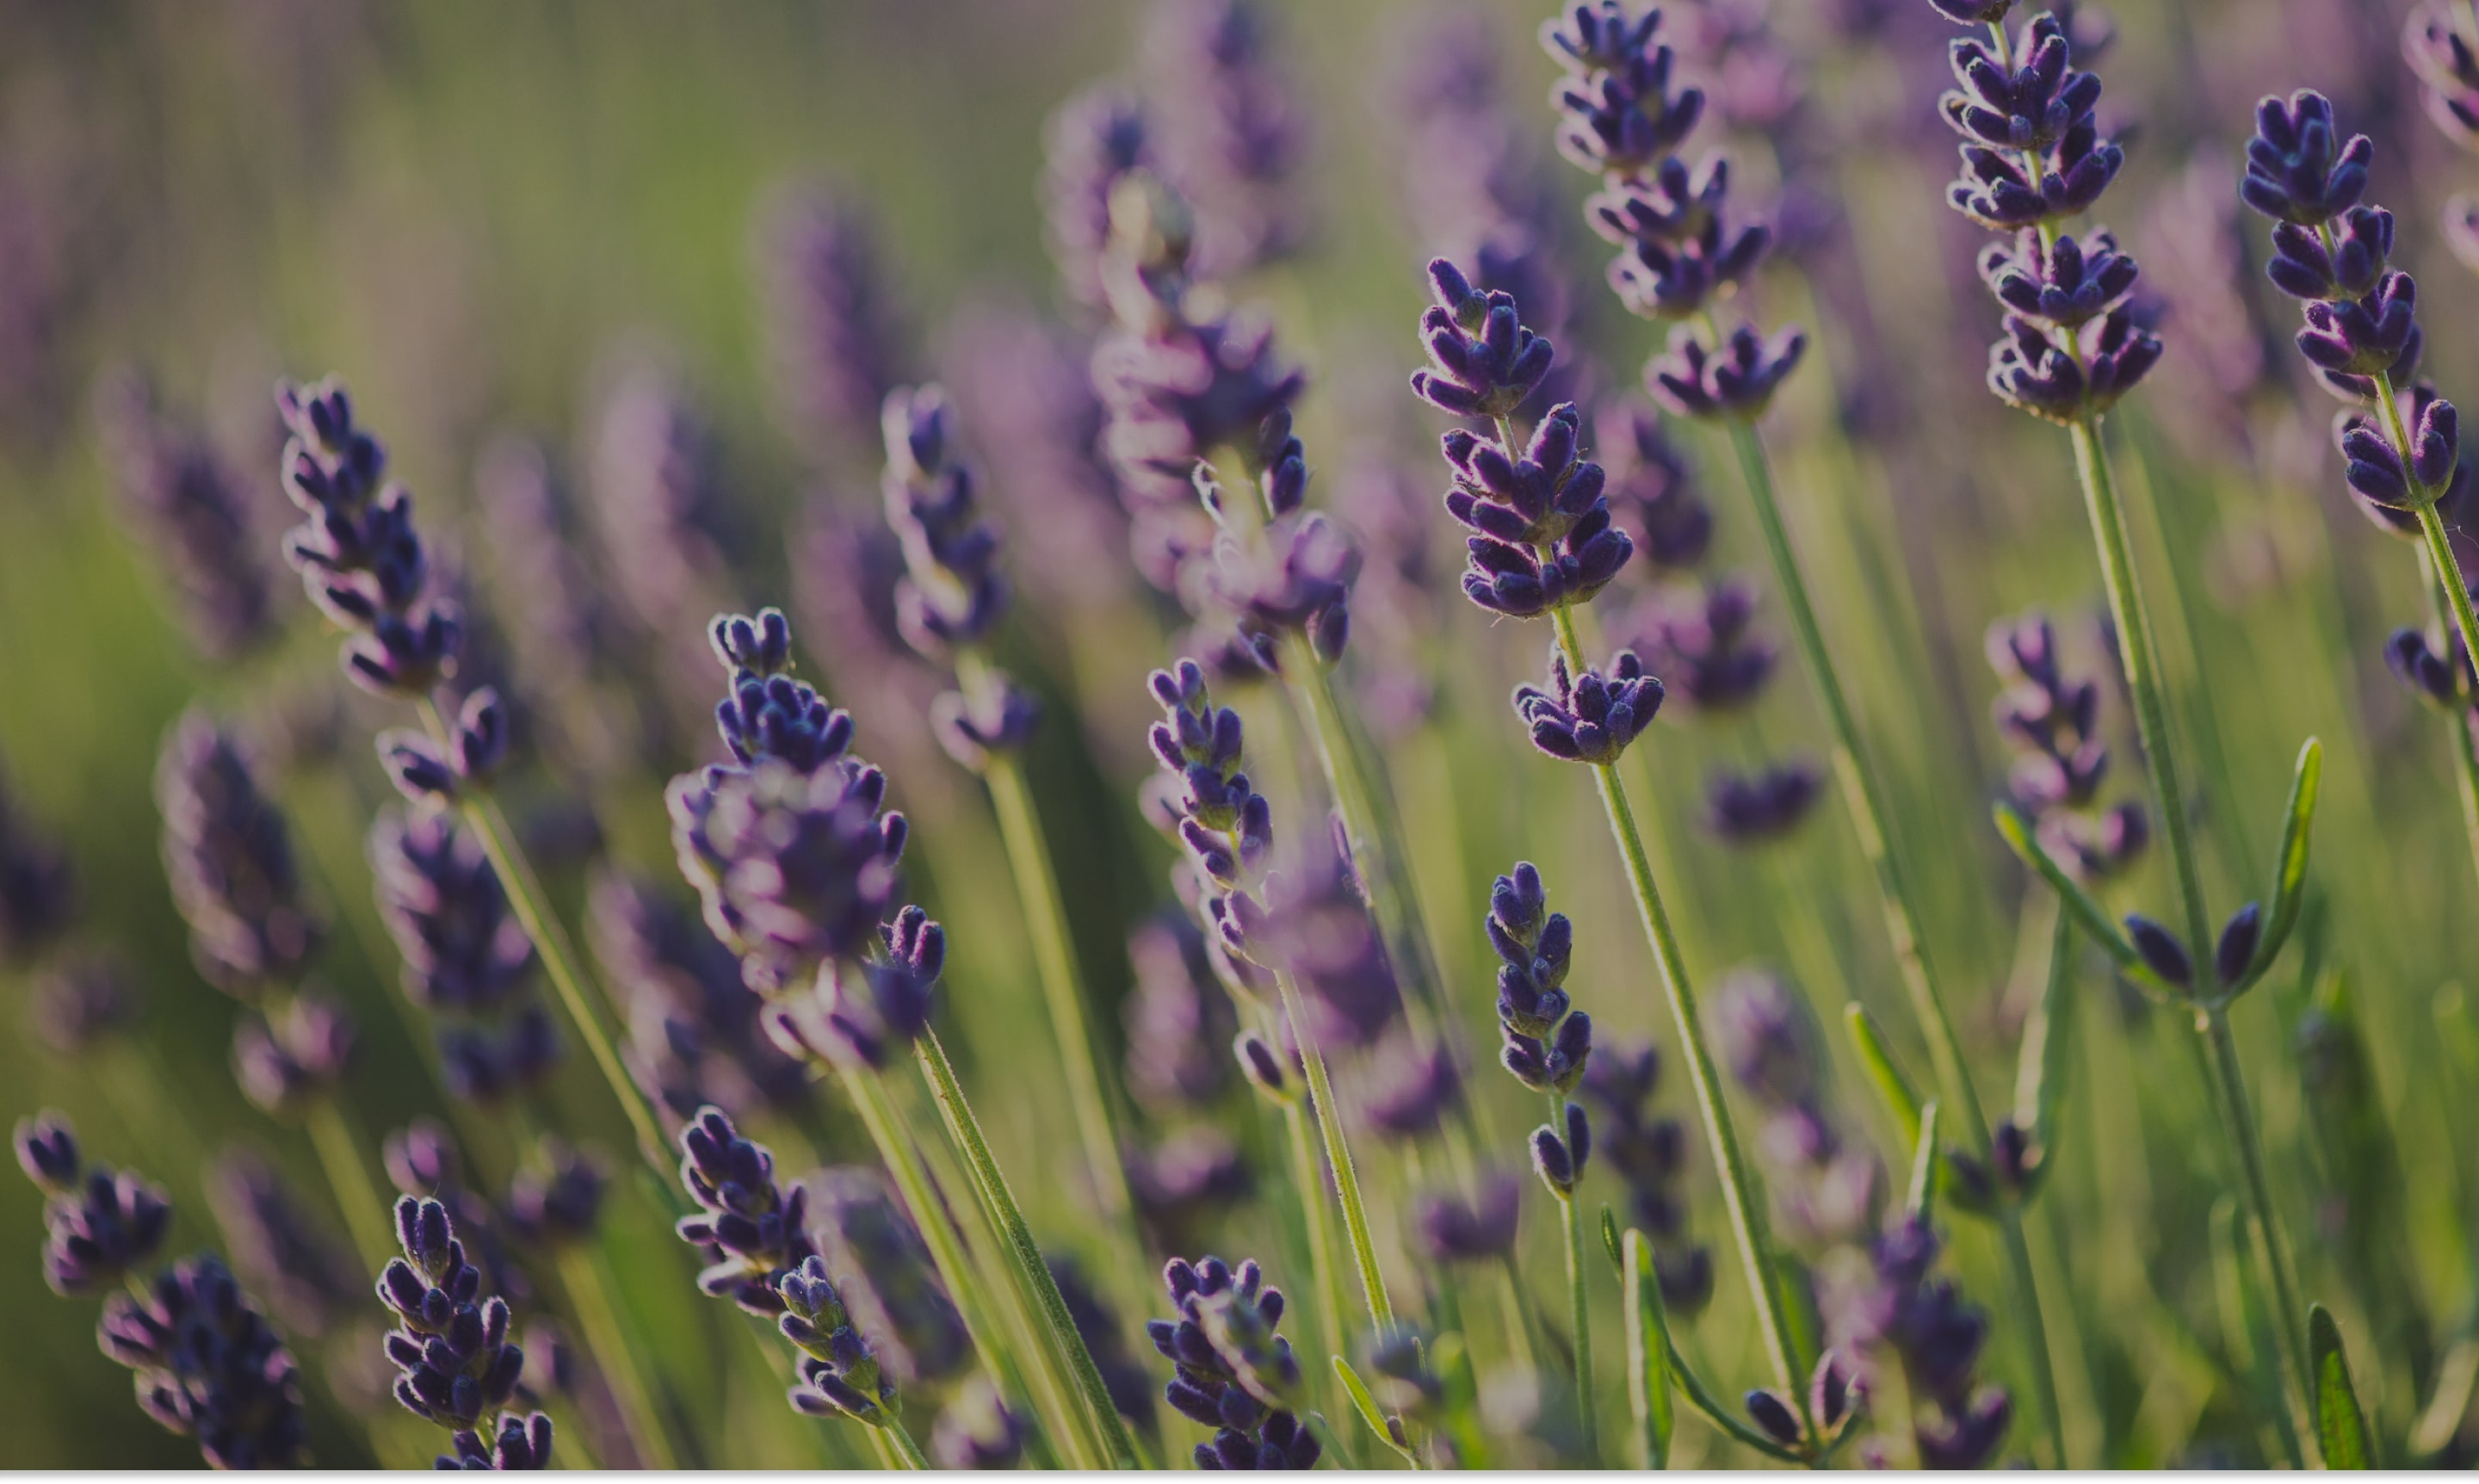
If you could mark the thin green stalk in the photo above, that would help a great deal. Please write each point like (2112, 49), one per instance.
(1111, 1431)
(2140, 655)
(1059, 1414)
(1579, 1314)
(905, 1449)
(1338, 1154)
(349, 1176)
(532, 906)
(1741, 1196)
(2457, 726)
(581, 1273)
(1062, 984)
(1325, 1277)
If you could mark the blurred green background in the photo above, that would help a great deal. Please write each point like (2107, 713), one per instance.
(463, 208)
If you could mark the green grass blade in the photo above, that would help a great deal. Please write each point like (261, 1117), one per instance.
(2289, 876)
(2087, 913)
(1648, 1350)
(1902, 1100)
(2341, 1427)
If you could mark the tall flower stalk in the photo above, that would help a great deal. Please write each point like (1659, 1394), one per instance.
(1678, 254)
(362, 560)
(2032, 158)
(1542, 542)
(949, 600)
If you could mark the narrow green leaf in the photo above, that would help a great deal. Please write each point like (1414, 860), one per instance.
(1610, 1239)
(2289, 876)
(2341, 1427)
(2039, 1071)
(1883, 1070)
(1647, 1349)
(1365, 1405)
(1924, 1162)
(2087, 913)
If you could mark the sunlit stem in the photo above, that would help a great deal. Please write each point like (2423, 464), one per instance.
(1338, 1153)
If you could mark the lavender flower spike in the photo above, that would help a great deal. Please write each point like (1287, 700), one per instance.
(99, 1227)
(450, 1346)
(1235, 1373)
(229, 858)
(1590, 717)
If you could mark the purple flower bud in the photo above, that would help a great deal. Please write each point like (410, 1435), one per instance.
(1618, 114)
(1761, 807)
(2298, 169)
(1737, 380)
(295, 1058)
(1483, 362)
(2236, 947)
(1590, 718)
(2061, 285)
(2028, 107)
(209, 1366)
(1452, 1230)
(1774, 1415)
(2160, 951)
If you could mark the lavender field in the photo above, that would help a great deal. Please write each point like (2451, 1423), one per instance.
(1239, 734)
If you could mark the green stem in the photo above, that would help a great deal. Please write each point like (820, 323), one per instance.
(905, 1449)
(2457, 724)
(349, 1176)
(1325, 1276)
(1112, 1432)
(1741, 1196)
(1062, 985)
(1579, 1315)
(2140, 656)
(581, 1272)
(1059, 1416)
(532, 906)
(1338, 1154)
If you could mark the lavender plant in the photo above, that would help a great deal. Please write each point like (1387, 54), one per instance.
(456, 1365)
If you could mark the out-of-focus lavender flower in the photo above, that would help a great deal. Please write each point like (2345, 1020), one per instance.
(98, 1227)
(1824, 1193)
(1090, 142)
(1295, 574)
(209, 1366)
(1409, 1087)
(454, 1360)
(81, 1000)
(1650, 490)
(1236, 1373)
(1227, 134)
(295, 1056)
(38, 894)
(840, 1375)
(1481, 1229)
(466, 959)
(830, 320)
(557, 1200)
(1649, 1155)
(359, 555)
(1179, 1017)
(2198, 267)
(845, 572)
(556, 1366)
(1701, 643)
(1184, 1184)
(1394, 613)
(1590, 717)
(750, 1230)
(1750, 81)
(229, 859)
(1130, 1388)
(287, 1256)
(695, 1037)
(1757, 808)
(2441, 53)
(1900, 1313)
(1320, 929)
(976, 1430)
(2052, 725)
(1179, 377)
(1736, 380)
(1021, 385)
(177, 497)
(883, 1270)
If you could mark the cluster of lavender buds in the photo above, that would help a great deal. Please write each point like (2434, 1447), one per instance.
(1754, 808)
(1292, 575)
(290, 1059)
(797, 864)
(1648, 1154)
(1824, 1193)
(2438, 675)
(2362, 331)
(2060, 759)
(2438, 42)
(883, 1268)
(1326, 936)
(951, 593)
(694, 1032)
(1180, 1019)
(1131, 1390)
(1480, 1229)
(38, 894)
(426, 771)
(81, 1000)
(976, 1430)
(229, 858)
(178, 499)
(1179, 377)
(750, 1230)
(837, 347)
(422, 1162)
(357, 551)
(840, 1373)
(2032, 157)
(1898, 1311)
(99, 1227)
(1182, 1183)
(556, 1202)
(1226, 825)
(208, 1365)
(1622, 116)
(1089, 145)
(1235, 1374)
(1546, 1045)
(305, 1278)
(1407, 1087)
(1229, 136)
(466, 959)
(455, 1361)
